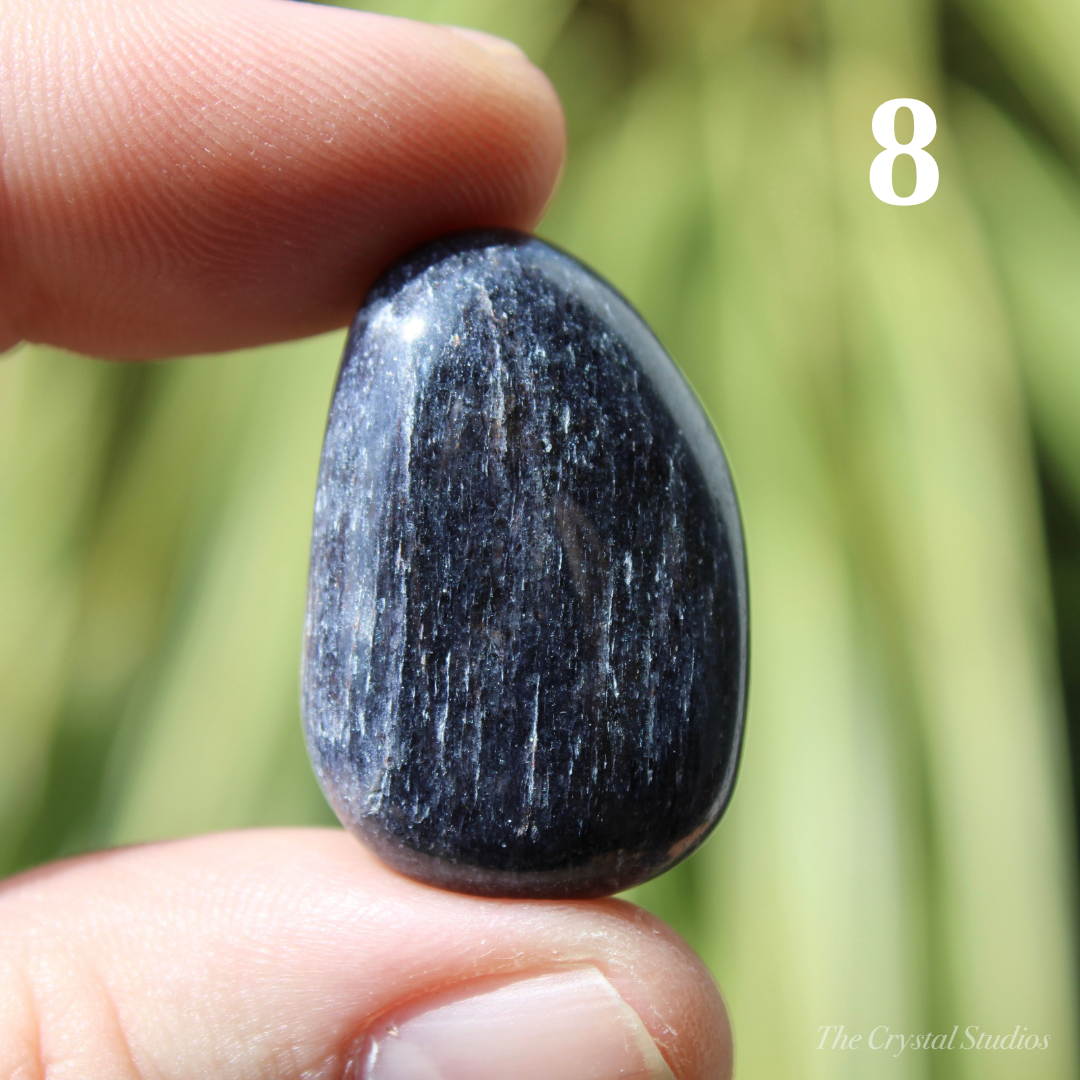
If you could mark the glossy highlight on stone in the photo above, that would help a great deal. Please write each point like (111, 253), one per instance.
(525, 658)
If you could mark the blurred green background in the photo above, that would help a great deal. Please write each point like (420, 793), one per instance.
(898, 390)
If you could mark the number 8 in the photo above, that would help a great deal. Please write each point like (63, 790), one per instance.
(926, 170)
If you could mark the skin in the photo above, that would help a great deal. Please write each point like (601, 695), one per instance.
(180, 176)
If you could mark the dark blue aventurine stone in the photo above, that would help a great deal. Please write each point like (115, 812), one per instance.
(526, 644)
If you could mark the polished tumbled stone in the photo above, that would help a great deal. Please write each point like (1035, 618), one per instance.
(526, 645)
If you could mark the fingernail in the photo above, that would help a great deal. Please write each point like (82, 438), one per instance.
(567, 1025)
(497, 46)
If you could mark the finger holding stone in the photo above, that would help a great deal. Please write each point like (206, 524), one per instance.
(294, 953)
(197, 176)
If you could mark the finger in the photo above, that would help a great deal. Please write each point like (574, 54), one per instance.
(185, 176)
(293, 953)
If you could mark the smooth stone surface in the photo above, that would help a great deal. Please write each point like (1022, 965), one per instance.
(526, 646)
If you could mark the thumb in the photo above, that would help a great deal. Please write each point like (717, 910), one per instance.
(288, 954)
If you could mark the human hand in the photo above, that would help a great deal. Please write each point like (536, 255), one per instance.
(193, 176)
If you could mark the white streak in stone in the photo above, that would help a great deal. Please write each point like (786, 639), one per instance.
(530, 780)
(605, 627)
(440, 726)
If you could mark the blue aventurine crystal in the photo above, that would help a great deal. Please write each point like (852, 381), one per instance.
(526, 645)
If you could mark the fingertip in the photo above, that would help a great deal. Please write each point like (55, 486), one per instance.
(214, 175)
(298, 946)
(679, 999)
